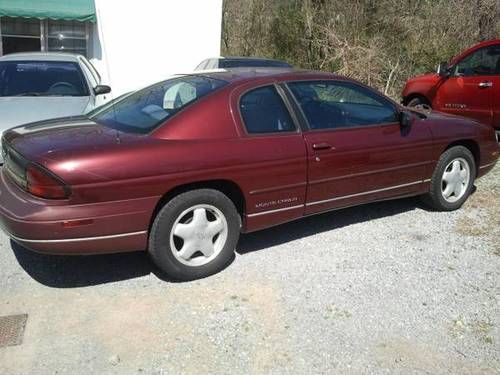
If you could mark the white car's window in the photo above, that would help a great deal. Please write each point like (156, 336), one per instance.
(41, 78)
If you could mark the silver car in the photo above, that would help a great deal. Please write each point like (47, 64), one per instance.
(41, 86)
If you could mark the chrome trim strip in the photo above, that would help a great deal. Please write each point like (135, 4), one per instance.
(278, 188)
(111, 236)
(363, 193)
(487, 165)
(277, 210)
(354, 175)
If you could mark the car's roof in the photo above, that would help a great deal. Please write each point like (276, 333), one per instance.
(41, 56)
(248, 58)
(249, 74)
(251, 58)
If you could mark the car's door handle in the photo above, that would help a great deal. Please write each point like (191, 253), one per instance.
(322, 146)
(485, 84)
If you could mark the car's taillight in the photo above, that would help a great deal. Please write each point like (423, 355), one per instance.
(43, 184)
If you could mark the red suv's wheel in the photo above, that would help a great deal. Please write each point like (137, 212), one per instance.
(418, 101)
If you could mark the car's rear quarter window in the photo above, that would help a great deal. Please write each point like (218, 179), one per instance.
(263, 111)
(143, 111)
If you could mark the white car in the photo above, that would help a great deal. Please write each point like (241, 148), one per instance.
(41, 86)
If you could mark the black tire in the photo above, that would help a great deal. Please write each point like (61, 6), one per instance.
(160, 248)
(418, 101)
(435, 197)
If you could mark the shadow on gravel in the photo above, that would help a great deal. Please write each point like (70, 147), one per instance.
(78, 271)
(60, 271)
(323, 223)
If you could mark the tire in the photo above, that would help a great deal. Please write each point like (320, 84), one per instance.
(418, 101)
(450, 187)
(184, 228)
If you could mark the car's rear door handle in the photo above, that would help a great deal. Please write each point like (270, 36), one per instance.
(485, 84)
(322, 146)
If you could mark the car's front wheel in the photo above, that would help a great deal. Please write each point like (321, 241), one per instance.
(194, 235)
(418, 101)
(452, 180)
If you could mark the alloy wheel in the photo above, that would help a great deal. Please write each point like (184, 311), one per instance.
(455, 180)
(198, 235)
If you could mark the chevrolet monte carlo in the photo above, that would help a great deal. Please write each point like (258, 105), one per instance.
(181, 168)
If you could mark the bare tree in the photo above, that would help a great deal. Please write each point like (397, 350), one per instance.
(380, 42)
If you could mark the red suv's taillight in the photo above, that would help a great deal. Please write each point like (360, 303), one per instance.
(43, 184)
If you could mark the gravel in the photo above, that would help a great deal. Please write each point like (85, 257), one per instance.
(384, 288)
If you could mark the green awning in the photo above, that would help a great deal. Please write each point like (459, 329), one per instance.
(76, 10)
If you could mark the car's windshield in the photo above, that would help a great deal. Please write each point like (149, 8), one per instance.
(41, 78)
(144, 110)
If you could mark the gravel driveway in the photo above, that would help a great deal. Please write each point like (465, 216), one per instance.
(384, 288)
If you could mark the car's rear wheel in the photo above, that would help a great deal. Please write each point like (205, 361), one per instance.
(194, 235)
(453, 179)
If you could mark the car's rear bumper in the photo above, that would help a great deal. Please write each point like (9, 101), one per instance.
(60, 228)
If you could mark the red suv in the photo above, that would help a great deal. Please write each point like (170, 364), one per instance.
(469, 85)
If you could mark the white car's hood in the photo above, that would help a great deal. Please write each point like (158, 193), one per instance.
(25, 109)
(16, 111)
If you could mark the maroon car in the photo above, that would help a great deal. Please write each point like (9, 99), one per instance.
(182, 167)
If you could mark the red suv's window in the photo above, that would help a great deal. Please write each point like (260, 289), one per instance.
(485, 61)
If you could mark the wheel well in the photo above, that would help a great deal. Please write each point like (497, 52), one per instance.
(229, 188)
(472, 146)
(407, 99)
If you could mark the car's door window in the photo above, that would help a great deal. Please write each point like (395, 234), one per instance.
(333, 104)
(485, 61)
(263, 111)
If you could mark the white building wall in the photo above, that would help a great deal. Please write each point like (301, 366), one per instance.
(136, 43)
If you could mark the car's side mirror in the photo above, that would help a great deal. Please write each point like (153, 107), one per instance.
(443, 70)
(102, 89)
(405, 119)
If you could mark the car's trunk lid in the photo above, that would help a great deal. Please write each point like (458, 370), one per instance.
(48, 140)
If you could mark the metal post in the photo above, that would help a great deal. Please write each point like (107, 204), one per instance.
(88, 39)
(44, 32)
(1, 45)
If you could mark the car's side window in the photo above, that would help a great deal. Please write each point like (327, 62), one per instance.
(334, 104)
(263, 111)
(212, 64)
(485, 61)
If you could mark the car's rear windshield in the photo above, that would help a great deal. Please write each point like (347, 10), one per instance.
(144, 110)
(41, 78)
